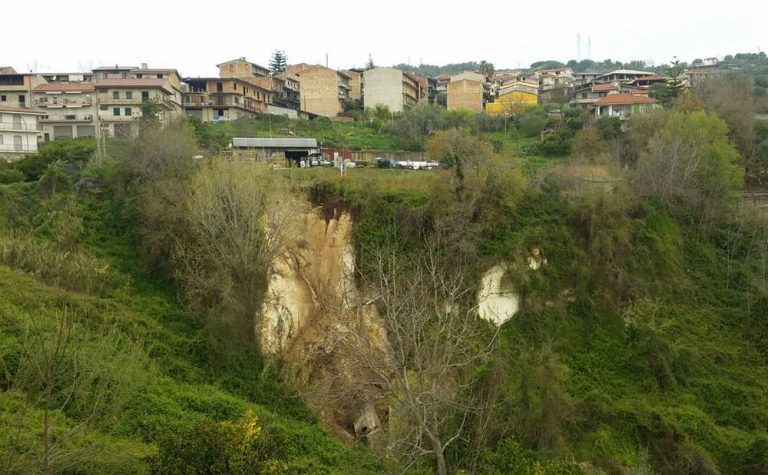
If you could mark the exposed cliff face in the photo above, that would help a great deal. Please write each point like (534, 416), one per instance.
(315, 317)
(313, 276)
(328, 330)
(494, 303)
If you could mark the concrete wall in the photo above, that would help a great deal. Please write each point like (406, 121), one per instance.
(355, 85)
(465, 94)
(383, 86)
(319, 88)
(290, 113)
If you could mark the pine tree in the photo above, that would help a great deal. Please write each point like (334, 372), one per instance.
(369, 64)
(279, 62)
(674, 87)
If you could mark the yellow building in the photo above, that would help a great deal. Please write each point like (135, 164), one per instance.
(514, 97)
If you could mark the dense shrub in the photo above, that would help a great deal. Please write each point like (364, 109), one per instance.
(72, 270)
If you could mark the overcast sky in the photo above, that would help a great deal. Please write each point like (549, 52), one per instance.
(193, 37)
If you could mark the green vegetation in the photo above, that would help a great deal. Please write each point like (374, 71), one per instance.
(104, 370)
(131, 296)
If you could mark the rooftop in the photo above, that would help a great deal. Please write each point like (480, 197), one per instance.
(131, 82)
(65, 87)
(623, 98)
(115, 68)
(19, 111)
(243, 142)
(606, 86)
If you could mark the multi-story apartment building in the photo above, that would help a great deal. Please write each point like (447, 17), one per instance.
(211, 99)
(285, 93)
(68, 109)
(555, 84)
(19, 132)
(241, 68)
(473, 92)
(16, 88)
(513, 96)
(67, 77)
(465, 94)
(355, 83)
(171, 75)
(120, 102)
(322, 90)
(397, 90)
(427, 89)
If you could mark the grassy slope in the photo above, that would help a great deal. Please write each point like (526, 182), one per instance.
(181, 387)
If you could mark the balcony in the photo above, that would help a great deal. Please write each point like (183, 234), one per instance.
(63, 103)
(118, 118)
(105, 99)
(27, 127)
(68, 119)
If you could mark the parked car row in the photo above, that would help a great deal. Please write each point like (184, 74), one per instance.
(406, 164)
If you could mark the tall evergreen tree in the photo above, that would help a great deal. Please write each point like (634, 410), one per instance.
(674, 87)
(486, 68)
(279, 62)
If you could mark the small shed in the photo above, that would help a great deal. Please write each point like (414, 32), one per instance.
(293, 149)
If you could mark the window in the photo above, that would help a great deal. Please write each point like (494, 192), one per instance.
(144, 96)
(115, 94)
(2, 98)
(159, 76)
(116, 111)
(128, 112)
(583, 95)
(1, 139)
(129, 94)
(103, 107)
(22, 100)
(138, 76)
(219, 87)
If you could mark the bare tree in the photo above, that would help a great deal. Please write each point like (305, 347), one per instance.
(238, 220)
(427, 306)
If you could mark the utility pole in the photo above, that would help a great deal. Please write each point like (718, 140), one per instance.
(99, 132)
(578, 47)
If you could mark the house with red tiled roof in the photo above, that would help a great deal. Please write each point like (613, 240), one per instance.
(623, 105)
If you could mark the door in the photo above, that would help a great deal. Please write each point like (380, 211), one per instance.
(17, 143)
(17, 122)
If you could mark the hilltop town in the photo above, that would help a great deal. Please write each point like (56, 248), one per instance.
(110, 101)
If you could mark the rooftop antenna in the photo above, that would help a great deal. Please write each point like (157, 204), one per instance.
(578, 47)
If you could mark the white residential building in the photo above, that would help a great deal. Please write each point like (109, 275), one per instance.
(19, 132)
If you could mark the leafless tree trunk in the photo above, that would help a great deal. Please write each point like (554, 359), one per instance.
(238, 221)
(427, 307)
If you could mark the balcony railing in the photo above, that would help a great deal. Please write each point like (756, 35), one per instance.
(14, 148)
(46, 102)
(135, 101)
(118, 118)
(68, 118)
(28, 126)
